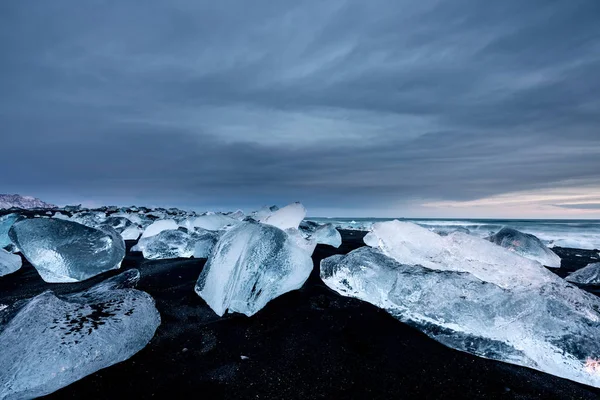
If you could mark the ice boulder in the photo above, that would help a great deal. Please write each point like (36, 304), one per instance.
(6, 221)
(589, 275)
(158, 226)
(9, 262)
(412, 244)
(549, 326)
(251, 264)
(287, 217)
(526, 245)
(66, 251)
(176, 243)
(53, 341)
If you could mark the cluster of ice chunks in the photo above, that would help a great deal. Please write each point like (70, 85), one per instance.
(526, 245)
(251, 264)
(588, 275)
(52, 341)
(66, 251)
(9, 262)
(484, 300)
(177, 243)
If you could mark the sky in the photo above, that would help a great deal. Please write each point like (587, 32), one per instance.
(461, 108)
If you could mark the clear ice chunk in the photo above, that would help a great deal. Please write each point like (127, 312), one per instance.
(252, 264)
(321, 233)
(552, 327)
(409, 243)
(9, 262)
(53, 341)
(287, 217)
(588, 275)
(526, 245)
(66, 251)
(6, 221)
(178, 243)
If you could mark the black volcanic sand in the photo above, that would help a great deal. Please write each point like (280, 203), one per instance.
(306, 344)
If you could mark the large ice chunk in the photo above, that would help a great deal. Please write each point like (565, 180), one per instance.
(552, 327)
(175, 243)
(409, 243)
(9, 262)
(287, 217)
(158, 226)
(252, 264)
(66, 251)
(588, 275)
(526, 245)
(53, 341)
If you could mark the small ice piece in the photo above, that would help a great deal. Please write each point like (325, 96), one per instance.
(289, 216)
(526, 245)
(588, 275)
(412, 244)
(552, 327)
(9, 262)
(321, 234)
(65, 251)
(53, 341)
(252, 264)
(6, 221)
(178, 243)
(213, 222)
(158, 226)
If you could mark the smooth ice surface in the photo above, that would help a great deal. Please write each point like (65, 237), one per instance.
(588, 275)
(178, 243)
(213, 222)
(9, 262)
(53, 340)
(553, 327)
(409, 243)
(65, 251)
(526, 245)
(131, 233)
(252, 264)
(158, 226)
(287, 217)
(6, 221)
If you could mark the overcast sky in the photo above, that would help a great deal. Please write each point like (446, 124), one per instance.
(457, 108)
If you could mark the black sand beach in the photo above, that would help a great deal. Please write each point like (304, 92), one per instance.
(306, 344)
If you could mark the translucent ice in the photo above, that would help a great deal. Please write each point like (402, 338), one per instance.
(178, 243)
(6, 221)
(322, 234)
(289, 216)
(9, 262)
(552, 326)
(213, 222)
(526, 245)
(158, 226)
(252, 264)
(53, 341)
(589, 275)
(409, 243)
(65, 251)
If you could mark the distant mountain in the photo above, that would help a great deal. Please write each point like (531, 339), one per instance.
(24, 202)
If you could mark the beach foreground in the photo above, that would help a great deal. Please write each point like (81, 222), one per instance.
(309, 343)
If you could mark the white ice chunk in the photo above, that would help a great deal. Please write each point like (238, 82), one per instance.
(65, 251)
(307, 245)
(53, 341)
(9, 262)
(321, 233)
(158, 226)
(178, 243)
(412, 244)
(289, 216)
(552, 327)
(131, 233)
(213, 222)
(252, 264)
(588, 275)
(526, 245)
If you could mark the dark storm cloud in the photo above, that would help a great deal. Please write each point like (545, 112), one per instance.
(339, 104)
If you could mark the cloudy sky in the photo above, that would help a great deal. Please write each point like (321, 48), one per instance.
(460, 108)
